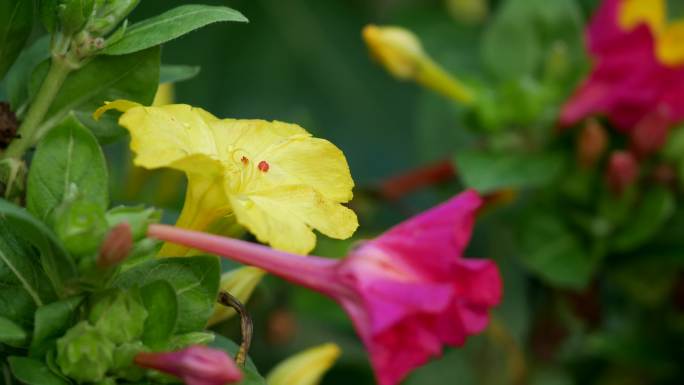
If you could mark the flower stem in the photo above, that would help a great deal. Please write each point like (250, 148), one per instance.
(28, 131)
(316, 273)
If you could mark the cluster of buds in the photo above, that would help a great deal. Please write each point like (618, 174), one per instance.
(79, 27)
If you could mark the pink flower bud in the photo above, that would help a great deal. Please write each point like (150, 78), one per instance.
(622, 171)
(116, 246)
(591, 143)
(196, 365)
(650, 133)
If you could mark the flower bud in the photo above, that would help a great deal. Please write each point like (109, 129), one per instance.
(622, 171)
(650, 133)
(305, 368)
(401, 53)
(116, 246)
(12, 179)
(396, 48)
(591, 143)
(108, 14)
(84, 353)
(196, 365)
(81, 225)
(123, 357)
(118, 314)
(240, 283)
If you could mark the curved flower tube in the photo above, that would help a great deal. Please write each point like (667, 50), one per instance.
(638, 66)
(408, 292)
(195, 365)
(274, 178)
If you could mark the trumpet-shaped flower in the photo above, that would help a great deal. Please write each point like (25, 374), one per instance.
(638, 66)
(275, 178)
(305, 368)
(408, 292)
(196, 365)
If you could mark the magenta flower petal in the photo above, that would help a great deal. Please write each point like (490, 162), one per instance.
(627, 82)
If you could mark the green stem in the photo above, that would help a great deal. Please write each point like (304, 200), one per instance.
(28, 131)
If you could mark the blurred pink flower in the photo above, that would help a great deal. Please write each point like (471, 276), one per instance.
(408, 292)
(622, 171)
(195, 365)
(637, 71)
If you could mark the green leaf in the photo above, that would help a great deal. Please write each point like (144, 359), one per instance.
(655, 208)
(170, 25)
(51, 322)
(159, 298)
(16, 23)
(34, 372)
(524, 33)
(55, 261)
(177, 73)
(19, 76)
(67, 156)
(25, 285)
(195, 281)
(553, 252)
(134, 77)
(489, 171)
(11, 333)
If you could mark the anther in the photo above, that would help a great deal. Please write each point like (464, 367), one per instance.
(263, 166)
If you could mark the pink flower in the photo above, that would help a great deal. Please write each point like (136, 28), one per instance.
(196, 365)
(408, 292)
(622, 171)
(629, 82)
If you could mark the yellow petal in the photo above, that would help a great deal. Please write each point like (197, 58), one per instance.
(119, 105)
(671, 44)
(635, 12)
(240, 283)
(163, 135)
(251, 137)
(285, 215)
(305, 368)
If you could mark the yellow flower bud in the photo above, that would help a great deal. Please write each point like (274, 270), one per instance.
(305, 368)
(240, 283)
(401, 53)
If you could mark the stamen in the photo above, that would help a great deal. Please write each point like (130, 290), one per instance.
(264, 166)
(244, 160)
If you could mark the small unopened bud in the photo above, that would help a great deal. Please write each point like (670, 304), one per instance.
(591, 143)
(401, 53)
(650, 133)
(398, 49)
(196, 365)
(116, 246)
(622, 171)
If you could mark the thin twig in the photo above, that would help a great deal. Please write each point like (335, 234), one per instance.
(246, 327)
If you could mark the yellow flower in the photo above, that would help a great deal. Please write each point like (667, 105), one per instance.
(275, 178)
(305, 368)
(401, 53)
(669, 36)
(240, 283)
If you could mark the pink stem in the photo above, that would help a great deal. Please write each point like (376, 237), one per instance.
(316, 273)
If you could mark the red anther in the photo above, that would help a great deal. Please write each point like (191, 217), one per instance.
(244, 160)
(263, 166)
